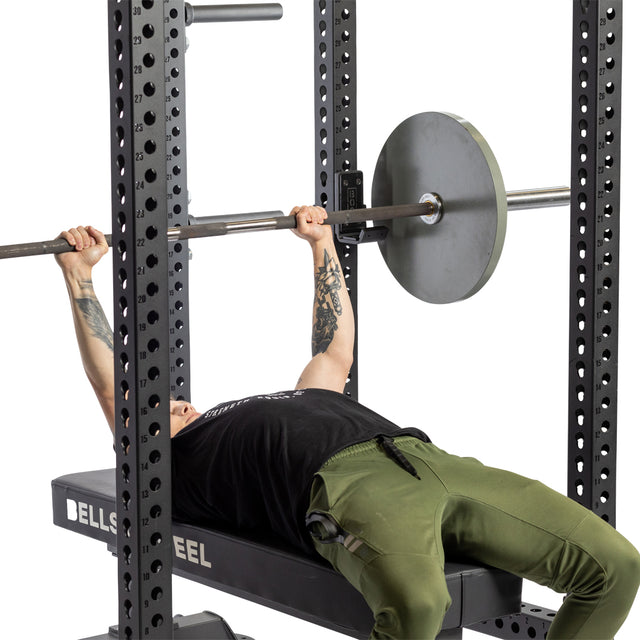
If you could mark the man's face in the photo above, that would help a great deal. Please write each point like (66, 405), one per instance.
(182, 413)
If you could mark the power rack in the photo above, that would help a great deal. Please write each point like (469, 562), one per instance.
(151, 324)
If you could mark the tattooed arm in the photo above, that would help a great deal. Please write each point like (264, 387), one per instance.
(333, 324)
(95, 338)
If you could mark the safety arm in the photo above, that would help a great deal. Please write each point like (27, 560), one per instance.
(333, 328)
(95, 339)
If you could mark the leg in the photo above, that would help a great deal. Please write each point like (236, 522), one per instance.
(407, 594)
(398, 565)
(603, 590)
(522, 526)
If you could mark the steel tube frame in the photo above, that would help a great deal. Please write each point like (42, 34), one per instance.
(335, 115)
(593, 292)
(151, 340)
(595, 252)
(144, 552)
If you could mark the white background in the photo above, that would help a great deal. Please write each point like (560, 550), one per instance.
(486, 377)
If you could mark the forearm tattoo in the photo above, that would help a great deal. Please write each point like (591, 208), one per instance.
(327, 304)
(94, 315)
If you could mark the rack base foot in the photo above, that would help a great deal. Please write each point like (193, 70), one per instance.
(199, 626)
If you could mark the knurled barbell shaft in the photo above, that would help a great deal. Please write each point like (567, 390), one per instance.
(60, 245)
(530, 199)
(346, 216)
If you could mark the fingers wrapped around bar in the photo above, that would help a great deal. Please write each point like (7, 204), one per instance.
(310, 223)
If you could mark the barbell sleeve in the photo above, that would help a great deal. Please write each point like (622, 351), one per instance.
(539, 198)
(232, 12)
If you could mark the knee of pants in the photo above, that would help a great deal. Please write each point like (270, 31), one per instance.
(413, 617)
(609, 571)
(406, 605)
(599, 559)
(622, 567)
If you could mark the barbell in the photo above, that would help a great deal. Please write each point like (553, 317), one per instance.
(441, 245)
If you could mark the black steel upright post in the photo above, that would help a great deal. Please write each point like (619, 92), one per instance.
(336, 130)
(595, 257)
(177, 198)
(141, 327)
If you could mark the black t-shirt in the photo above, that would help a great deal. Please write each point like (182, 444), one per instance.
(249, 464)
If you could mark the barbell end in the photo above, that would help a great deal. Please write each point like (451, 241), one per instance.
(436, 202)
(538, 198)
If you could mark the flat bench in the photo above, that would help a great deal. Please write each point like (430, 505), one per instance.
(269, 574)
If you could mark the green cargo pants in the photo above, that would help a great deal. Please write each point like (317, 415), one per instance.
(399, 528)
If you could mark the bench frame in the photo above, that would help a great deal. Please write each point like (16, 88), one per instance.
(267, 573)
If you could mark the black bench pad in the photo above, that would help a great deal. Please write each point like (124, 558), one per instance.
(271, 575)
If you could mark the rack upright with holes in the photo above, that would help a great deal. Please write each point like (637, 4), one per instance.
(146, 50)
(593, 291)
(336, 152)
(595, 246)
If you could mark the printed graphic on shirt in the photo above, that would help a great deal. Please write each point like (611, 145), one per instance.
(223, 408)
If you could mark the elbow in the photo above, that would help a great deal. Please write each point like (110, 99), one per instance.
(345, 362)
(104, 392)
(340, 354)
(106, 398)
(348, 362)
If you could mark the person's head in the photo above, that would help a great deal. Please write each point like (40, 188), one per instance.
(182, 414)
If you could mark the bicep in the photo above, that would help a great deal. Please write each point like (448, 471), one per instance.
(324, 372)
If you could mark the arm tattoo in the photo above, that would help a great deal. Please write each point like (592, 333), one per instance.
(86, 285)
(328, 306)
(97, 321)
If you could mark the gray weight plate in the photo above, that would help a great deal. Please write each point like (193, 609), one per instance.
(443, 154)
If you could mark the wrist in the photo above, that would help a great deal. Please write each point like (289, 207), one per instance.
(78, 278)
(320, 244)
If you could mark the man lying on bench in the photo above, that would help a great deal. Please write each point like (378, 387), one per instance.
(382, 504)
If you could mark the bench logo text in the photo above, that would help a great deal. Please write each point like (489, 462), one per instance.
(97, 518)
